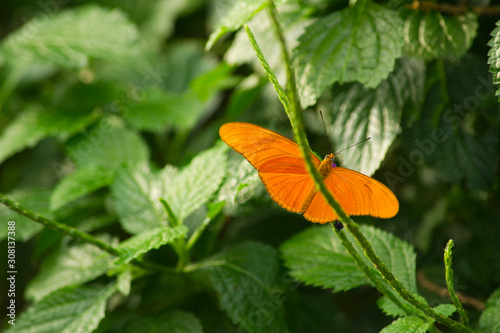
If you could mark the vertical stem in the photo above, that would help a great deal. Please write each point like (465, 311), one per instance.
(179, 245)
(449, 282)
(294, 112)
(374, 279)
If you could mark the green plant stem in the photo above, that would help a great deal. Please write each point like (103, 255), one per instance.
(449, 282)
(368, 272)
(294, 112)
(179, 245)
(293, 93)
(77, 234)
(398, 287)
(213, 214)
(441, 73)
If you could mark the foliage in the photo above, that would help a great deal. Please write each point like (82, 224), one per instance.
(109, 117)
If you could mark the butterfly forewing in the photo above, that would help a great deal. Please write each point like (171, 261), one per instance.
(278, 160)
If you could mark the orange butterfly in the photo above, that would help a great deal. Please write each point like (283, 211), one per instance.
(283, 171)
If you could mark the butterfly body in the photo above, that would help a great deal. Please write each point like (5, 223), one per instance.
(282, 169)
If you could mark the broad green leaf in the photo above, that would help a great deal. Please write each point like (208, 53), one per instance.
(494, 55)
(136, 192)
(25, 131)
(391, 309)
(197, 182)
(490, 318)
(469, 87)
(444, 136)
(245, 280)
(33, 125)
(408, 324)
(353, 113)
(315, 256)
(66, 311)
(109, 145)
(431, 35)
(445, 309)
(399, 256)
(184, 62)
(69, 266)
(235, 16)
(206, 85)
(155, 19)
(83, 181)
(171, 322)
(359, 43)
(463, 155)
(239, 186)
(244, 96)
(158, 109)
(148, 240)
(70, 38)
(35, 199)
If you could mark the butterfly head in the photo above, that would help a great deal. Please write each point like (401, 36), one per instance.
(331, 160)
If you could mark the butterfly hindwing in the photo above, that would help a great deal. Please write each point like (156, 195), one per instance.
(356, 193)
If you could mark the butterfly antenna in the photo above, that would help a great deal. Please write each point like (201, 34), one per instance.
(368, 138)
(324, 129)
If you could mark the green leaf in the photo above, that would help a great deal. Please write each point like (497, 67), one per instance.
(238, 14)
(399, 256)
(239, 186)
(245, 280)
(431, 35)
(148, 240)
(124, 281)
(70, 38)
(315, 256)
(197, 182)
(408, 324)
(463, 155)
(83, 181)
(494, 56)
(23, 132)
(445, 309)
(171, 322)
(136, 192)
(490, 318)
(205, 86)
(33, 125)
(69, 266)
(184, 62)
(67, 311)
(155, 19)
(158, 109)
(109, 145)
(35, 199)
(358, 112)
(359, 43)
